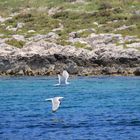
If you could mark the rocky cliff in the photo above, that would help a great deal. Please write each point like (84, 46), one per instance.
(81, 36)
(46, 58)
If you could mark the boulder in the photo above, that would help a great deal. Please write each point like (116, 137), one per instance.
(19, 37)
(72, 68)
(137, 72)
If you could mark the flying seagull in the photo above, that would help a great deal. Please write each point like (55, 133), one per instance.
(55, 102)
(63, 78)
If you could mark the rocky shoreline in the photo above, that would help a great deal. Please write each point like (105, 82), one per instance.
(44, 40)
(45, 58)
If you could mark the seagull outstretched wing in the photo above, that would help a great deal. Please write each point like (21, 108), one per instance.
(65, 74)
(55, 102)
(59, 80)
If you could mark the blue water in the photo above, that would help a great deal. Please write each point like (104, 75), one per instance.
(93, 108)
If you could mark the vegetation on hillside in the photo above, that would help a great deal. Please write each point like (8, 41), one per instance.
(109, 15)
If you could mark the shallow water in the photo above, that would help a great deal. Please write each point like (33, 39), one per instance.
(93, 108)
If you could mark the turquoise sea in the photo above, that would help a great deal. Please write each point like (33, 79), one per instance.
(93, 108)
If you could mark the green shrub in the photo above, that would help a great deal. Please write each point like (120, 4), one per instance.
(16, 43)
(63, 42)
(23, 15)
(80, 45)
(104, 6)
(135, 18)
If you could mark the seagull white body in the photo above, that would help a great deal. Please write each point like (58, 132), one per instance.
(64, 77)
(55, 102)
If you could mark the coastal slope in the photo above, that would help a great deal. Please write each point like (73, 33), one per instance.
(84, 37)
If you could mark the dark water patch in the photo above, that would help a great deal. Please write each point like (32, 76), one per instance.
(31, 116)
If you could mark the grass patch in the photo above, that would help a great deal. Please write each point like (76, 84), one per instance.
(81, 45)
(130, 32)
(40, 22)
(74, 17)
(63, 42)
(15, 43)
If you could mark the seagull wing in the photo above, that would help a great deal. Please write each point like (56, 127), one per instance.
(59, 79)
(49, 99)
(65, 74)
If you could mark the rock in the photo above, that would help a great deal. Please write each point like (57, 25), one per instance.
(52, 35)
(27, 71)
(131, 39)
(125, 27)
(1, 35)
(76, 34)
(6, 49)
(50, 70)
(121, 71)
(137, 12)
(76, 1)
(2, 24)
(60, 57)
(95, 23)
(73, 34)
(42, 57)
(42, 9)
(19, 37)
(109, 70)
(103, 40)
(137, 72)
(72, 68)
(54, 10)
(134, 45)
(2, 19)
(20, 25)
(2, 40)
(87, 71)
(60, 28)
(51, 59)
(37, 61)
(14, 14)
(20, 72)
(10, 28)
(37, 38)
(31, 31)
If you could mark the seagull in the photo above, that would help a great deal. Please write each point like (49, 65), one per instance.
(55, 102)
(64, 76)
